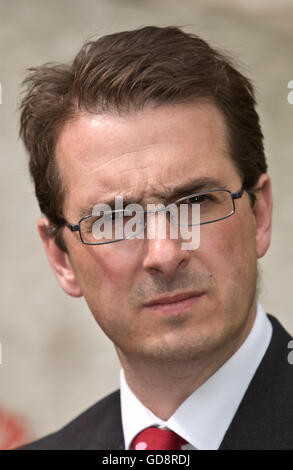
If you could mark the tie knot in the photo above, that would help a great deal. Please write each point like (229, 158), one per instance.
(154, 438)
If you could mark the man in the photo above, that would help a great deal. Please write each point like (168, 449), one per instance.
(157, 116)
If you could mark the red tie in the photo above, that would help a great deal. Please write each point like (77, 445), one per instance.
(157, 439)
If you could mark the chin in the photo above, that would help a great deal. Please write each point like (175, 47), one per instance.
(174, 348)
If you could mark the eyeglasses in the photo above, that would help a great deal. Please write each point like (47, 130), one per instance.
(214, 205)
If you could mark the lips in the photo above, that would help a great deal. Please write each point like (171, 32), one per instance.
(172, 299)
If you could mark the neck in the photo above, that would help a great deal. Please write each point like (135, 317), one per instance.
(150, 380)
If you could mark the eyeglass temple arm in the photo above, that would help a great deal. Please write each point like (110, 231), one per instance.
(238, 194)
(72, 227)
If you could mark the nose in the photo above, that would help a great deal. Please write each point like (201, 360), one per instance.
(165, 256)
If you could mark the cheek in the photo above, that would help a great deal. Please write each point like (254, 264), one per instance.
(105, 276)
(119, 264)
(106, 273)
(230, 251)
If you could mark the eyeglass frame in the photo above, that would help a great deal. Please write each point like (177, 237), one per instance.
(236, 195)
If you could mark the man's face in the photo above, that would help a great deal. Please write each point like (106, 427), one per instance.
(142, 155)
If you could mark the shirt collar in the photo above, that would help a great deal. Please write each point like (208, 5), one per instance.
(204, 417)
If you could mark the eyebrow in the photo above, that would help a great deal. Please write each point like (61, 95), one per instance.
(169, 194)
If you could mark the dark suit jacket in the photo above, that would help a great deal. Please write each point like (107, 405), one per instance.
(264, 419)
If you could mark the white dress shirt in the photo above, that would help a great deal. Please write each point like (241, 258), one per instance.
(204, 417)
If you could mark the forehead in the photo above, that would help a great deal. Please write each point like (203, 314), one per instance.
(137, 154)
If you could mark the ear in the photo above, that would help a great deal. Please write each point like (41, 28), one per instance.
(262, 211)
(59, 260)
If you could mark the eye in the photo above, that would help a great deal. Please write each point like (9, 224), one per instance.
(112, 216)
(109, 216)
(199, 199)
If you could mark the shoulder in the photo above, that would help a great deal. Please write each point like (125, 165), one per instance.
(276, 371)
(98, 427)
(264, 419)
(278, 348)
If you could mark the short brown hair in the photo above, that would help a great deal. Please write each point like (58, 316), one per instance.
(126, 71)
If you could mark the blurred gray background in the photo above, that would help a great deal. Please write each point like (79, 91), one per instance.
(55, 360)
